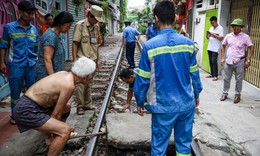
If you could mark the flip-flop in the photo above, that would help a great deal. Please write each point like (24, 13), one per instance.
(12, 122)
(80, 111)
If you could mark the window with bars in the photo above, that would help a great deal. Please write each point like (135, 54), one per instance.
(41, 4)
(199, 4)
(44, 5)
(213, 2)
(57, 5)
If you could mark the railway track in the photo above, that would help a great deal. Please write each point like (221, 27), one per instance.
(108, 93)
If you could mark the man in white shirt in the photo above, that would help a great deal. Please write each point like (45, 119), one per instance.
(215, 36)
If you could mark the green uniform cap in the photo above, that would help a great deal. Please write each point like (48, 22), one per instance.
(238, 22)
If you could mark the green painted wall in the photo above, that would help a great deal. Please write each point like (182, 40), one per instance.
(205, 58)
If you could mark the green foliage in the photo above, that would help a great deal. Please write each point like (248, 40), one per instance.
(142, 28)
(77, 6)
(106, 11)
(54, 11)
(103, 29)
(141, 15)
(123, 7)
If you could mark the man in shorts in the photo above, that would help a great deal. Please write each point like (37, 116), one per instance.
(44, 104)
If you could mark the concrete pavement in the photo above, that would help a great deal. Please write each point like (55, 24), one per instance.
(221, 128)
(225, 126)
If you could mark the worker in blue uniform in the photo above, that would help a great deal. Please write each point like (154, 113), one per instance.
(152, 30)
(168, 84)
(128, 76)
(130, 37)
(20, 45)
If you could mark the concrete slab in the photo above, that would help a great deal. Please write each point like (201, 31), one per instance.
(79, 123)
(129, 130)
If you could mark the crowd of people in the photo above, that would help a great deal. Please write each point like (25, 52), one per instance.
(159, 69)
(167, 58)
(36, 60)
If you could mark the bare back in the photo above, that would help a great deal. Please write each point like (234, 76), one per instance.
(51, 90)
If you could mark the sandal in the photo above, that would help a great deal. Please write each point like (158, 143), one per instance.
(80, 111)
(215, 79)
(90, 107)
(12, 122)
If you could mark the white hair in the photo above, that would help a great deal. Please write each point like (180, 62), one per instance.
(83, 67)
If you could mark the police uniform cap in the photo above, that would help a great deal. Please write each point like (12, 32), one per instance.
(97, 12)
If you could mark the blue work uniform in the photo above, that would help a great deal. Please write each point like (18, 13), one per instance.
(167, 84)
(50, 38)
(130, 34)
(151, 31)
(21, 46)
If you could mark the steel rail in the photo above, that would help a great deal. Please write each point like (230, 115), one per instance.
(93, 140)
(195, 149)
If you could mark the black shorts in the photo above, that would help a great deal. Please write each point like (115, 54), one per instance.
(29, 115)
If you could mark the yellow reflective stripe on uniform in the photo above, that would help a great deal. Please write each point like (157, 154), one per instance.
(32, 35)
(194, 68)
(14, 101)
(170, 50)
(179, 154)
(143, 73)
(5, 41)
(146, 103)
(18, 35)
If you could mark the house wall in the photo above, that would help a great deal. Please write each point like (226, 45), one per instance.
(9, 13)
(248, 10)
(228, 10)
(199, 33)
(224, 21)
(82, 11)
(201, 23)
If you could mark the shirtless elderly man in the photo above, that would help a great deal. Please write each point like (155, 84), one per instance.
(43, 105)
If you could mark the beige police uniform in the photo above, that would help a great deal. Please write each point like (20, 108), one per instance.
(86, 37)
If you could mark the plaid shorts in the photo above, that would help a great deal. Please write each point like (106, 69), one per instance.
(29, 115)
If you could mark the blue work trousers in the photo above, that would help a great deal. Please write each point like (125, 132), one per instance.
(130, 51)
(18, 77)
(162, 125)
